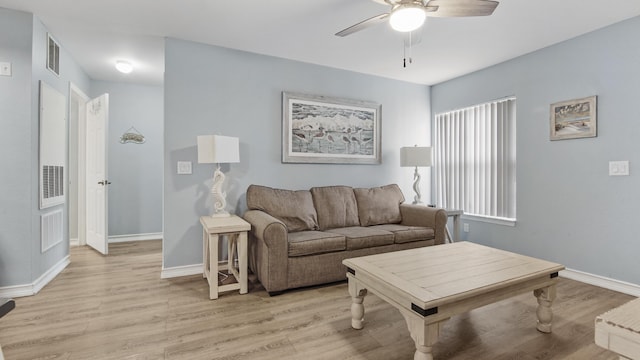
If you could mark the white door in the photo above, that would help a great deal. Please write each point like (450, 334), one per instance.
(97, 120)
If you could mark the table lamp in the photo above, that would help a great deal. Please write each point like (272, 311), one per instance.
(217, 149)
(415, 156)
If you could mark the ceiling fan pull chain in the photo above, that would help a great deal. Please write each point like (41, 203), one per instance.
(404, 50)
(404, 54)
(410, 47)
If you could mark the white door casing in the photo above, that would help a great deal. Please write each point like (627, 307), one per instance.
(77, 153)
(97, 121)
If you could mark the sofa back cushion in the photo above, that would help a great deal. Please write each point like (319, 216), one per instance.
(379, 205)
(293, 207)
(336, 206)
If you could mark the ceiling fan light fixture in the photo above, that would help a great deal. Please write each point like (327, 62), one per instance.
(407, 17)
(124, 66)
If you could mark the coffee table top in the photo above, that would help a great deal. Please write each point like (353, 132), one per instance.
(435, 275)
(625, 317)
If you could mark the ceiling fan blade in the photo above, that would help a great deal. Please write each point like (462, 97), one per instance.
(460, 8)
(363, 25)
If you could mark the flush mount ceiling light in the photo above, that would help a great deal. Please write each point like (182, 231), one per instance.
(407, 17)
(124, 67)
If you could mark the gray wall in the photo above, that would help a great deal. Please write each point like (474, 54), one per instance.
(16, 194)
(24, 44)
(135, 170)
(568, 209)
(213, 90)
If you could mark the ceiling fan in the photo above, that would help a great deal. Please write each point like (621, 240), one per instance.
(409, 15)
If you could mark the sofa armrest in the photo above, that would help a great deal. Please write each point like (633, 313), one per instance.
(419, 215)
(267, 228)
(268, 249)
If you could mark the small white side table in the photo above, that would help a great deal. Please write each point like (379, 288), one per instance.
(236, 230)
(456, 224)
(619, 330)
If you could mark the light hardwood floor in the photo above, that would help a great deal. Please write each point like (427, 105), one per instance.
(117, 307)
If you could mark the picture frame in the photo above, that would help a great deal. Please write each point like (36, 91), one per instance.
(330, 130)
(574, 119)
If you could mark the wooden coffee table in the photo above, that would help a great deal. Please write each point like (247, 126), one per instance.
(429, 285)
(619, 330)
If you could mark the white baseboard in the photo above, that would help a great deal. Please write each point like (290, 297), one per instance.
(36, 286)
(74, 242)
(16, 291)
(177, 271)
(601, 281)
(135, 237)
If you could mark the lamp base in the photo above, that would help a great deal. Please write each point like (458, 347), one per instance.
(219, 196)
(416, 187)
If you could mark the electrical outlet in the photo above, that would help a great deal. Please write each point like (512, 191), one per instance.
(465, 227)
(619, 168)
(5, 69)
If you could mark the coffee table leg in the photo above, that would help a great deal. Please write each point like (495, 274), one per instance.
(357, 307)
(545, 315)
(424, 335)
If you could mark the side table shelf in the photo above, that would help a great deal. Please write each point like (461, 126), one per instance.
(235, 228)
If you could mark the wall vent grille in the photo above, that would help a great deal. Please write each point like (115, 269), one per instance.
(51, 225)
(52, 181)
(53, 55)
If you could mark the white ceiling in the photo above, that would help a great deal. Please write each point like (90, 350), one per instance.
(97, 32)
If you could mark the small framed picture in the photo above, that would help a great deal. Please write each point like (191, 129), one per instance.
(574, 119)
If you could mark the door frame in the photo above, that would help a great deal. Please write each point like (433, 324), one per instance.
(80, 159)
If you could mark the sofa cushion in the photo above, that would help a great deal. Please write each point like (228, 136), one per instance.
(293, 207)
(314, 242)
(336, 206)
(379, 205)
(404, 234)
(364, 237)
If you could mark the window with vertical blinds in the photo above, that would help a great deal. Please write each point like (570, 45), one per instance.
(475, 159)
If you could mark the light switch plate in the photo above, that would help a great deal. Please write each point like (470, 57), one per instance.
(5, 69)
(184, 167)
(619, 168)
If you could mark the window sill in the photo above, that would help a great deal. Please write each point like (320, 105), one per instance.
(490, 220)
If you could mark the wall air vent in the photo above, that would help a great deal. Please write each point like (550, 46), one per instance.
(53, 55)
(52, 181)
(51, 229)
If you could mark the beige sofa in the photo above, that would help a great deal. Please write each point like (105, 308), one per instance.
(299, 238)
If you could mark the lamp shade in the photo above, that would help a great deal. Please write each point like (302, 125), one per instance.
(415, 156)
(218, 149)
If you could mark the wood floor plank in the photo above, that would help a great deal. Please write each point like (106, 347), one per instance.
(117, 307)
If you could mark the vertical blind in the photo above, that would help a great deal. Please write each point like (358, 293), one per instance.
(475, 159)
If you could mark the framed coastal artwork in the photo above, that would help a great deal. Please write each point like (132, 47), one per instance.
(574, 119)
(327, 130)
